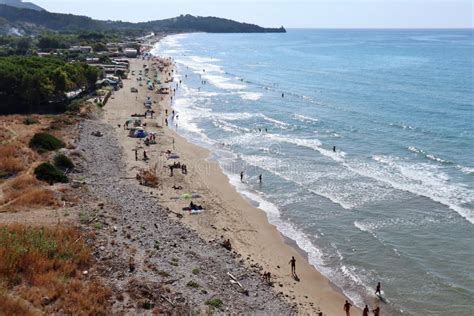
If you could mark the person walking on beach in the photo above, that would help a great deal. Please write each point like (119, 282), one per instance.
(241, 176)
(365, 312)
(376, 311)
(293, 265)
(260, 178)
(378, 290)
(334, 148)
(347, 308)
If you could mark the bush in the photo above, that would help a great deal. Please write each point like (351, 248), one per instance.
(215, 302)
(30, 121)
(75, 105)
(45, 142)
(63, 162)
(192, 284)
(49, 173)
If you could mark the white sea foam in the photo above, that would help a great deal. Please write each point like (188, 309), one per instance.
(337, 186)
(425, 154)
(466, 170)
(305, 119)
(203, 60)
(314, 144)
(275, 121)
(421, 179)
(223, 82)
(250, 96)
(229, 127)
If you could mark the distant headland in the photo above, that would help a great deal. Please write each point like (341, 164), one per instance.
(31, 20)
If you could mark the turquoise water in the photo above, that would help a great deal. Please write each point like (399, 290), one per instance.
(395, 202)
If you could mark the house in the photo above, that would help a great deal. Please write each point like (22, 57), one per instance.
(130, 52)
(82, 49)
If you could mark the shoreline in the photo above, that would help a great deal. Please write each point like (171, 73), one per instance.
(228, 214)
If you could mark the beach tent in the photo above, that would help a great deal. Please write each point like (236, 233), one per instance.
(137, 132)
(140, 133)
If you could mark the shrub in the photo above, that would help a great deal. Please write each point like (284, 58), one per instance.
(49, 173)
(45, 142)
(192, 284)
(196, 271)
(215, 302)
(63, 162)
(30, 121)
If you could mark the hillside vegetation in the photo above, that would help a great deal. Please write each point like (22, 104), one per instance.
(184, 23)
(26, 82)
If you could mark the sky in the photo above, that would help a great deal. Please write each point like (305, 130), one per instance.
(291, 14)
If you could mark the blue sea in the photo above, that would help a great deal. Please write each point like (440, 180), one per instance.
(395, 201)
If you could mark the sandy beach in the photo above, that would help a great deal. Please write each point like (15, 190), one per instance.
(227, 214)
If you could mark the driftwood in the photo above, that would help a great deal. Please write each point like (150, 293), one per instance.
(166, 299)
(92, 219)
(234, 281)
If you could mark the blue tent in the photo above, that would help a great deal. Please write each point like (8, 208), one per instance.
(139, 133)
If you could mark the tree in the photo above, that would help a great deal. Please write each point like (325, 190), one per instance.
(60, 80)
(50, 42)
(99, 47)
(23, 45)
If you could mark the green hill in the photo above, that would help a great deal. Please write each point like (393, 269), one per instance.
(21, 5)
(184, 23)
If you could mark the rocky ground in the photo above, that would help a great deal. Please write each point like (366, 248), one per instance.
(151, 261)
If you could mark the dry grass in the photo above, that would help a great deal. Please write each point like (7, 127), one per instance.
(36, 197)
(10, 159)
(44, 267)
(9, 164)
(5, 135)
(26, 191)
(20, 183)
(12, 306)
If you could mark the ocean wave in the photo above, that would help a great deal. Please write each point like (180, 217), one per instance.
(305, 119)
(222, 82)
(334, 185)
(229, 127)
(314, 144)
(274, 121)
(403, 126)
(421, 179)
(465, 170)
(429, 156)
(203, 60)
(250, 96)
